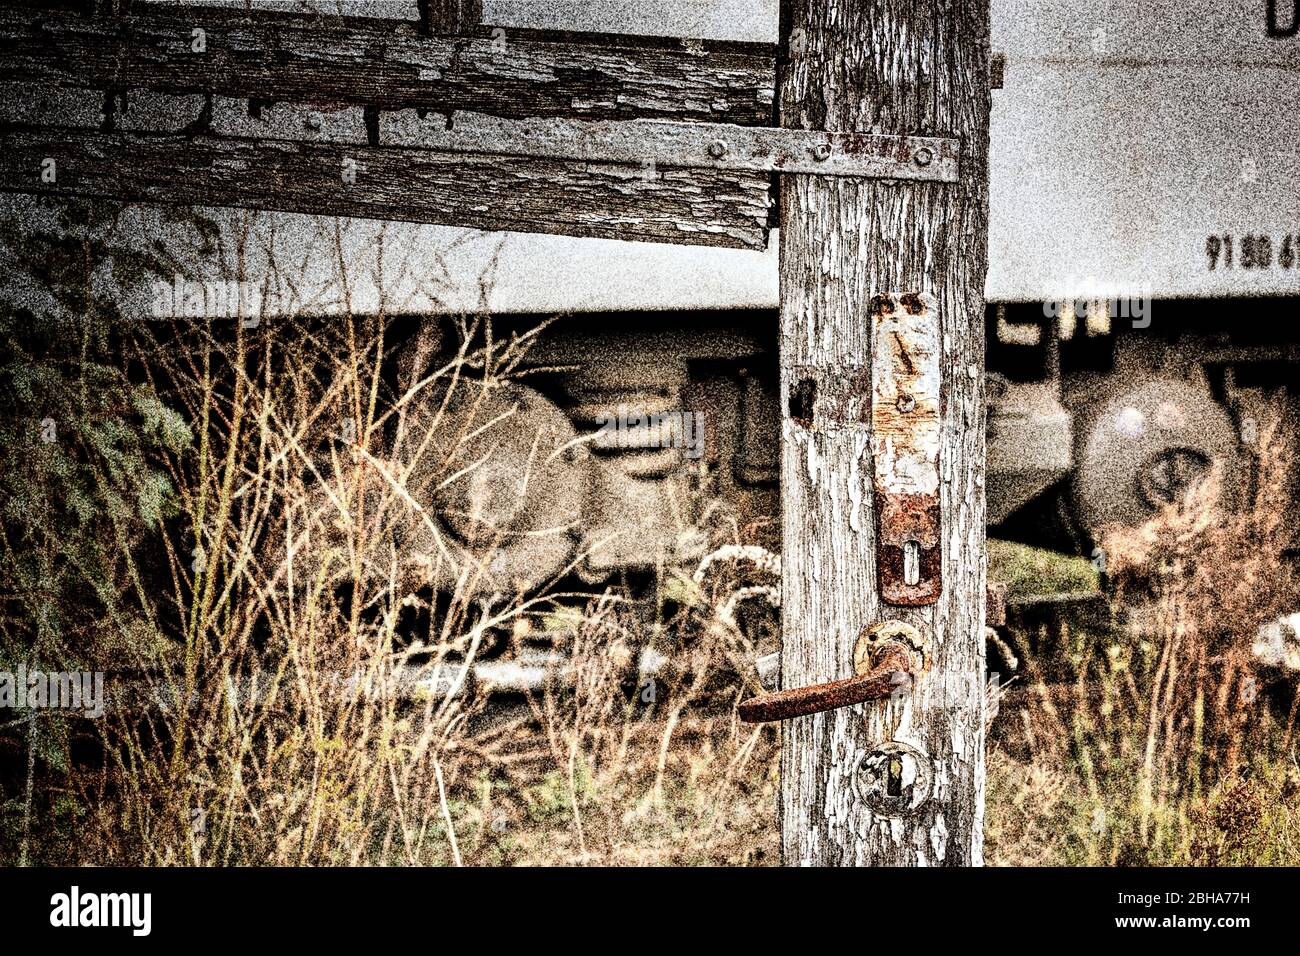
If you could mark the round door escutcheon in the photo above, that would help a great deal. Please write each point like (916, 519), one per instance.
(894, 779)
(875, 636)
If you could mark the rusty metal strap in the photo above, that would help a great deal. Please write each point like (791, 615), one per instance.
(654, 143)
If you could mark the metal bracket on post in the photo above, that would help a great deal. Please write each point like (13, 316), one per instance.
(905, 422)
(688, 145)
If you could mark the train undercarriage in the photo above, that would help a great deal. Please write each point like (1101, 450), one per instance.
(1100, 424)
(661, 439)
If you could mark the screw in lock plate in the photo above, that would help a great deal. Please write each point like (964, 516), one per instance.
(894, 779)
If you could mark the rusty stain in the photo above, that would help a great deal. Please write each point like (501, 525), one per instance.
(912, 303)
(901, 151)
(903, 357)
(875, 637)
(891, 673)
(903, 519)
(881, 305)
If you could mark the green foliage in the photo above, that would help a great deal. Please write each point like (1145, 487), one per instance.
(86, 446)
(1029, 571)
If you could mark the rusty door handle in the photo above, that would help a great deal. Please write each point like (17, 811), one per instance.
(891, 671)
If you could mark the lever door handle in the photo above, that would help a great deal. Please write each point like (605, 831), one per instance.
(891, 671)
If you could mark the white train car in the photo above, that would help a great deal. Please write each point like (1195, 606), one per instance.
(1144, 267)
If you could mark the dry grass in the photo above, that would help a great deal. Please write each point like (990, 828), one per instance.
(656, 772)
(302, 642)
(301, 633)
(300, 744)
(1172, 746)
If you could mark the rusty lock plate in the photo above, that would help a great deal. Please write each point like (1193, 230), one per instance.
(905, 433)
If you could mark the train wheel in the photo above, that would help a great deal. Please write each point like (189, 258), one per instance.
(1148, 445)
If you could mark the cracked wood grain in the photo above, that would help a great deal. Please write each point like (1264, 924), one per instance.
(263, 76)
(902, 68)
(702, 207)
(386, 66)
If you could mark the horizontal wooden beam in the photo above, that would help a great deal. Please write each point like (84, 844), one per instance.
(387, 66)
(491, 192)
(192, 121)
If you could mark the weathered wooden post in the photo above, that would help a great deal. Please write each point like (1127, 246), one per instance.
(449, 17)
(876, 275)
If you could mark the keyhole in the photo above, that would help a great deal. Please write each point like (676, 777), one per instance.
(894, 779)
(894, 785)
(911, 563)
